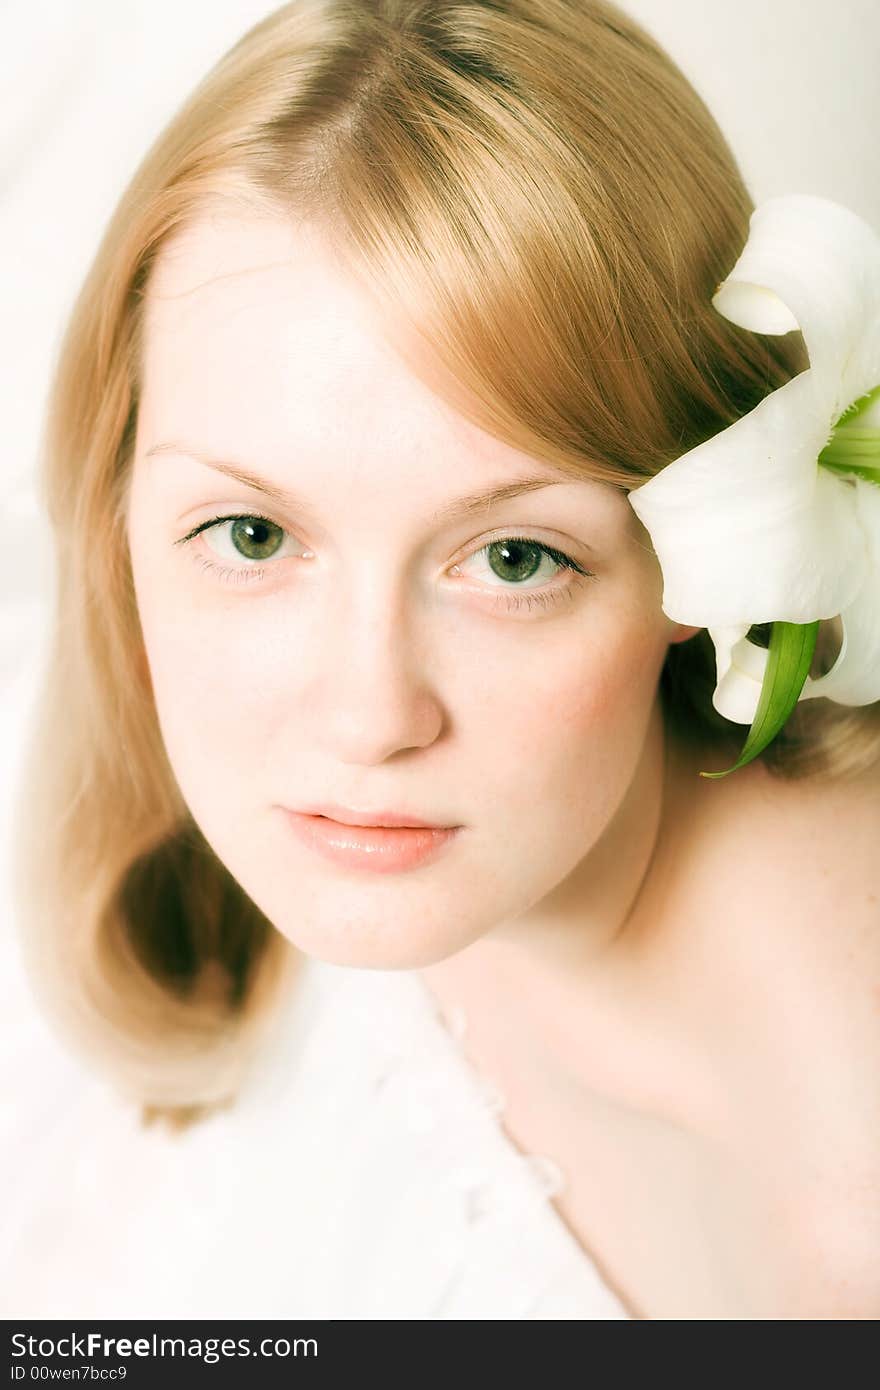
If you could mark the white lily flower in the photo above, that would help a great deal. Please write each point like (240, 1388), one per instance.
(777, 517)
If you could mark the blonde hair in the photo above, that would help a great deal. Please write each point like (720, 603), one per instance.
(542, 207)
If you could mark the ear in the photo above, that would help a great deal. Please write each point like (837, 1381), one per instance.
(680, 633)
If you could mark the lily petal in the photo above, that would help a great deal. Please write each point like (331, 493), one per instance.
(813, 264)
(748, 528)
(854, 679)
(740, 668)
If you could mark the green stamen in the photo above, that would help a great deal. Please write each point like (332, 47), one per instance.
(853, 447)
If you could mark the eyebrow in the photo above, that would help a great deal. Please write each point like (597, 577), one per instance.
(467, 505)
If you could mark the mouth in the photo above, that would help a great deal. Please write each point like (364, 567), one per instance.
(377, 847)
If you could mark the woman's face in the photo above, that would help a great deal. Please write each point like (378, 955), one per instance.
(372, 643)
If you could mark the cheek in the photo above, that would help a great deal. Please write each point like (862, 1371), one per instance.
(205, 687)
(207, 698)
(613, 691)
(599, 689)
(576, 727)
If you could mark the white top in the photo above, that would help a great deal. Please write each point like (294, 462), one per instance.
(362, 1173)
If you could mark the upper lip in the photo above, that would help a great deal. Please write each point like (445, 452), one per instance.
(346, 816)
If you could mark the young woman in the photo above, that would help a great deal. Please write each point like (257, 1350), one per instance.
(396, 314)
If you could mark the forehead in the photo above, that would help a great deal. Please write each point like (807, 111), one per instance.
(259, 345)
(259, 311)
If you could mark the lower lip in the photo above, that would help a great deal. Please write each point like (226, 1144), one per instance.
(380, 849)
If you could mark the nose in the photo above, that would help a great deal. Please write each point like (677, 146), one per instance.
(371, 696)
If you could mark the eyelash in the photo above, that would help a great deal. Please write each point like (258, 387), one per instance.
(236, 574)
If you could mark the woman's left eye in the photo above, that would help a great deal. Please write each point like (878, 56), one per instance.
(517, 558)
(522, 558)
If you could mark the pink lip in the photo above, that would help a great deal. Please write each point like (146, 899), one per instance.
(380, 848)
(344, 816)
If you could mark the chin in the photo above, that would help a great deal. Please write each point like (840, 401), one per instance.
(363, 947)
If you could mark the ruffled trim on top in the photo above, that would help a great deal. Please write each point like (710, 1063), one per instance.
(505, 1251)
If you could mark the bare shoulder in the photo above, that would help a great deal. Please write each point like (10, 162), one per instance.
(809, 845)
(779, 882)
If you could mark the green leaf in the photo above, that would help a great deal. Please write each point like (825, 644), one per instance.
(789, 658)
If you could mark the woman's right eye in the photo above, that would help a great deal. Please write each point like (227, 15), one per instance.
(255, 537)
